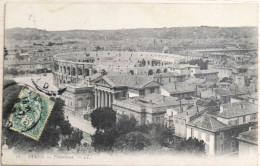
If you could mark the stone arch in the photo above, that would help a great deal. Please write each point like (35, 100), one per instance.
(73, 71)
(103, 72)
(150, 72)
(158, 71)
(94, 71)
(86, 72)
(80, 71)
(64, 69)
(68, 70)
(132, 72)
(165, 70)
(56, 66)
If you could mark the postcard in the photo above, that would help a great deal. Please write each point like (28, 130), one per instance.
(114, 83)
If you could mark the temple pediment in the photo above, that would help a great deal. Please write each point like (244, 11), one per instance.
(103, 82)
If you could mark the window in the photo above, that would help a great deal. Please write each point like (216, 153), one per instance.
(244, 119)
(152, 90)
(221, 135)
(207, 137)
(169, 79)
(142, 92)
(253, 117)
(207, 147)
(199, 135)
(191, 130)
(233, 146)
(124, 94)
(222, 148)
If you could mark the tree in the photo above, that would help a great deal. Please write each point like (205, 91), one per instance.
(5, 52)
(161, 135)
(226, 79)
(191, 145)
(104, 140)
(55, 127)
(73, 140)
(103, 118)
(14, 72)
(202, 64)
(22, 72)
(133, 141)
(126, 124)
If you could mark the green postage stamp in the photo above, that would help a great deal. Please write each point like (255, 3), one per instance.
(30, 113)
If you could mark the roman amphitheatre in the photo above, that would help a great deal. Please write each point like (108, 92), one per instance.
(77, 66)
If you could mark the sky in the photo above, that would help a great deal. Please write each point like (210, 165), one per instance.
(68, 16)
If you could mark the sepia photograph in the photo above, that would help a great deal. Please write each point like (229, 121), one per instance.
(130, 84)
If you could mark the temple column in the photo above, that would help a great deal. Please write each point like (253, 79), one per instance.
(96, 99)
(104, 99)
(105, 102)
(101, 97)
(76, 67)
(112, 98)
(109, 100)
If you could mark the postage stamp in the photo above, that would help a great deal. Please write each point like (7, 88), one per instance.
(30, 113)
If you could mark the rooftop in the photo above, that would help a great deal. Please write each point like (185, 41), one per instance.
(249, 136)
(205, 72)
(178, 87)
(208, 123)
(237, 109)
(168, 74)
(135, 81)
(227, 92)
(154, 102)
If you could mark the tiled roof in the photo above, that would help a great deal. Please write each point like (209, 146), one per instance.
(156, 102)
(237, 109)
(226, 92)
(162, 101)
(208, 123)
(178, 87)
(135, 81)
(254, 96)
(206, 102)
(205, 72)
(168, 74)
(196, 81)
(249, 136)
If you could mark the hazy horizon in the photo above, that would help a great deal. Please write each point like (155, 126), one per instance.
(67, 16)
(134, 28)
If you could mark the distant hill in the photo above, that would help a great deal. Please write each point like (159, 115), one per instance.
(163, 33)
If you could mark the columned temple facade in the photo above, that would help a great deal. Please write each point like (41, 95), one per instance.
(103, 97)
(121, 87)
